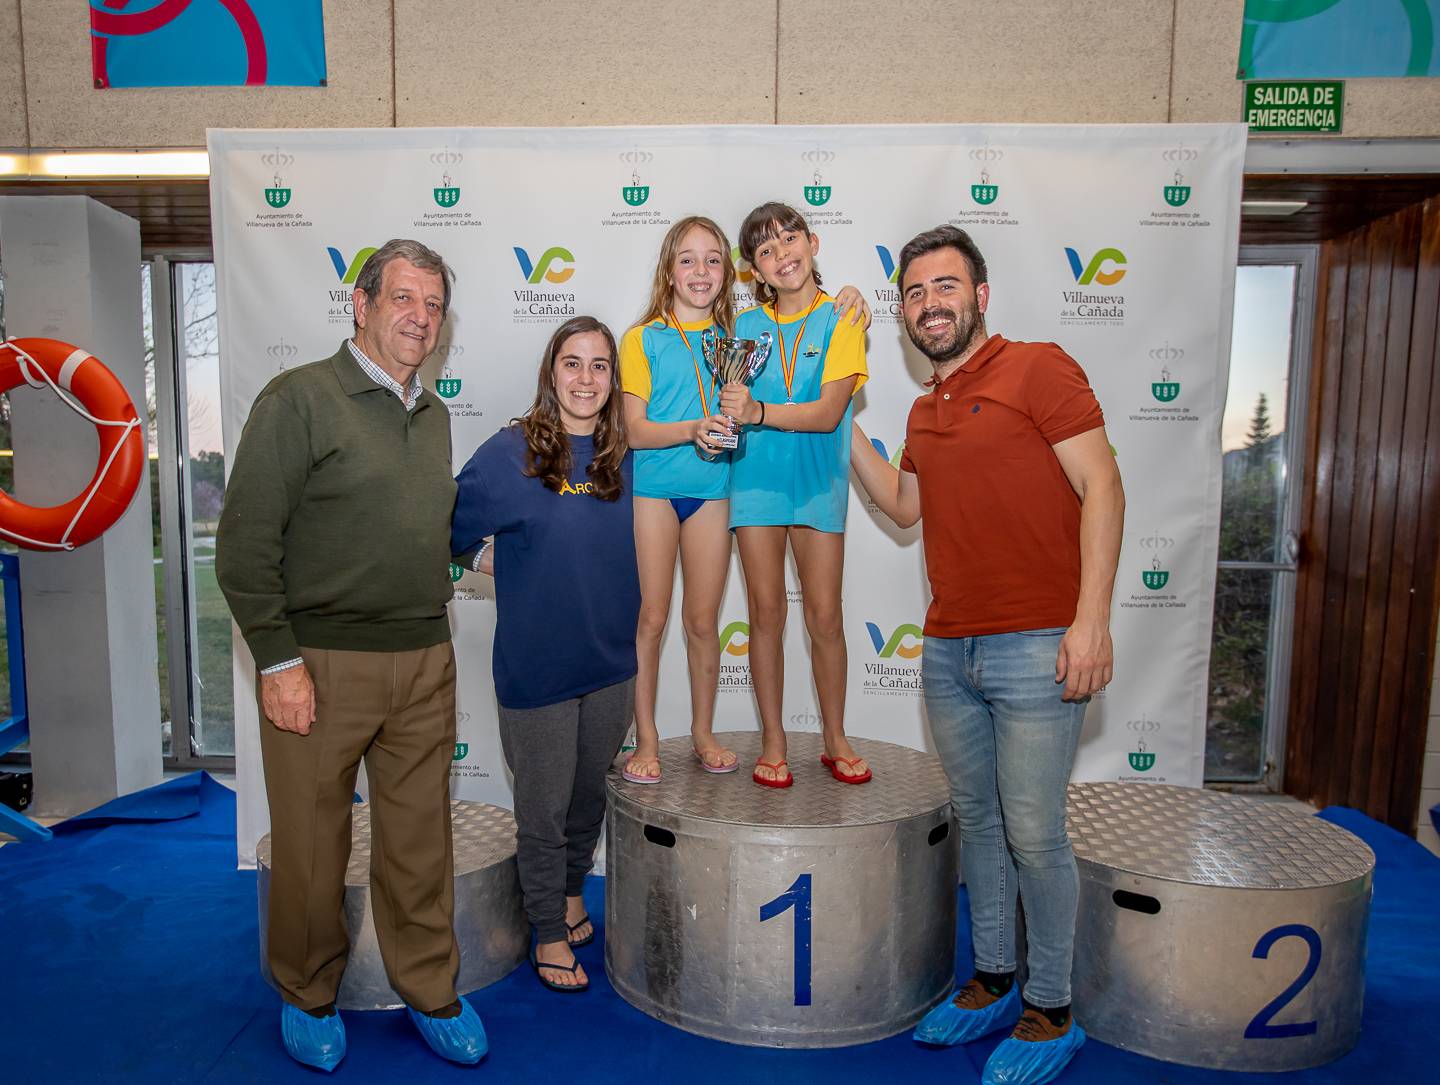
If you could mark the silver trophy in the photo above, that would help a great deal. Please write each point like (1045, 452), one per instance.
(733, 361)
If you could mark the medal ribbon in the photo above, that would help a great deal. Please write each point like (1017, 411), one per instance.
(787, 363)
(699, 380)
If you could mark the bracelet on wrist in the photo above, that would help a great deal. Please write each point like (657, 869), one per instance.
(762, 413)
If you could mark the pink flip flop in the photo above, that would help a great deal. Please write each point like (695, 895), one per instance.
(636, 778)
(718, 770)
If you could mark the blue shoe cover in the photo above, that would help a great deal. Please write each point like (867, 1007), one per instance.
(947, 1024)
(460, 1039)
(1016, 1062)
(313, 1041)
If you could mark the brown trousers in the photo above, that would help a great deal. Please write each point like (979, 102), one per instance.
(397, 711)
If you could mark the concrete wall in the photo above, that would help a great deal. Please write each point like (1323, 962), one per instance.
(563, 62)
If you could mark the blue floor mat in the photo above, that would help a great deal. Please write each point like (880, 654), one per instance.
(131, 954)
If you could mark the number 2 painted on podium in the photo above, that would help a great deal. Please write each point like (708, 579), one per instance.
(797, 897)
(1260, 1027)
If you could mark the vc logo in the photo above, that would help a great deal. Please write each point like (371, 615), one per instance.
(892, 273)
(894, 460)
(349, 272)
(1095, 270)
(895, 645)
(546, 267)
(735, 639)
(744, 273)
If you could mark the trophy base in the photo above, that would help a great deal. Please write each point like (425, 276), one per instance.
(724, 440)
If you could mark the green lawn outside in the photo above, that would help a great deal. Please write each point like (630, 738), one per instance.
(215, 686)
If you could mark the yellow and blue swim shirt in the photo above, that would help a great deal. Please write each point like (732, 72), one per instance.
(656, 366)
(783, 478)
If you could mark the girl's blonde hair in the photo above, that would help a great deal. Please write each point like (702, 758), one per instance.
(661, 289)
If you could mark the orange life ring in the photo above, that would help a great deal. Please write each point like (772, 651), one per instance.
(83, 382)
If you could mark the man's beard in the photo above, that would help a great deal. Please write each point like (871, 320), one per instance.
(945, 346)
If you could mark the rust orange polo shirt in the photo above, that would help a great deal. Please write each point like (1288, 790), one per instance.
(1001, 523)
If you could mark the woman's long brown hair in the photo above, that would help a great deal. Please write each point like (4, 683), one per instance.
(548, 444)
(662, 286)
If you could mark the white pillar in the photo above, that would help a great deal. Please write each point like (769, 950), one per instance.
(72, 272)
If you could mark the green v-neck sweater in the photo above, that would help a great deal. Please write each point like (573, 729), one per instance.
(336, 527)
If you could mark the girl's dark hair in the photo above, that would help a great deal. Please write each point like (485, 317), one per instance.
(548, 445)
(768, 221)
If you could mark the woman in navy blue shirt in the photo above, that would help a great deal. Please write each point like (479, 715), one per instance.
(554, 490)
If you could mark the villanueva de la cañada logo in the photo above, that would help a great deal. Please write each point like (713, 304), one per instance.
(887, 308)
(278, 211)
(281, 353)
(985, 191)
(1157, 576)
(447, 385)
(735, 639)
(817, 193)
(456, 572)
(1177, 212)
(1177, 192)
(446, 194)
(556, 265)
(895, 670)
(893, 459)
(278, 194)
(1092, 302)
(1165, 389)
(734, 657)
(1141, 758)
(879, 446)
(341, 309)
(462, 751)
(349, 270)
(636, 192)
(1154, 577)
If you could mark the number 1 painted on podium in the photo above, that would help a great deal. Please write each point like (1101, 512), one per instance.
(798, 897)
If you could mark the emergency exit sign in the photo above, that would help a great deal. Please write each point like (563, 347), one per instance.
(1295, 107)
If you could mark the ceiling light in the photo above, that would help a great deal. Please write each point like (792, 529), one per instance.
(1271, 209)
(120, 164)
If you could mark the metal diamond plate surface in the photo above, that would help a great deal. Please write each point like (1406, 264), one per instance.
(908, 783)
(1185, 834)
(483, 835)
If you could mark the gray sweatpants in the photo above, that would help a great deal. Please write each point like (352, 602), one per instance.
(559, 755)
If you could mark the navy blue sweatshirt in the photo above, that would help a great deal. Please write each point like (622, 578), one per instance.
(567, 591)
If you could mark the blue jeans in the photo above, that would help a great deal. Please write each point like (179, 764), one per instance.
(1007, 742)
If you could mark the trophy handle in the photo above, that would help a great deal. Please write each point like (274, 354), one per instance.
(761, 352)
(707, 346)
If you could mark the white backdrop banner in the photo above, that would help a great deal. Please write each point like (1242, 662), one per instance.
(1117, 242)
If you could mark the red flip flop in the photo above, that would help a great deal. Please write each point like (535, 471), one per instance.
(833, 763)
(777, 766)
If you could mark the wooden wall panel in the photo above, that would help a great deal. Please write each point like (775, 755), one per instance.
(1366, 596)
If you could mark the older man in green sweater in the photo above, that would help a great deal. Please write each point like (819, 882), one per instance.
(333, 552)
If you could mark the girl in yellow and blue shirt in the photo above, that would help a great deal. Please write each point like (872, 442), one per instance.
(790, 480)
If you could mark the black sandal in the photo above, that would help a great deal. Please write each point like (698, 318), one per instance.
(572, 989)
(573, 927)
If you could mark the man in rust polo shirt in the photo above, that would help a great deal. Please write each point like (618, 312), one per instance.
(1007, 461)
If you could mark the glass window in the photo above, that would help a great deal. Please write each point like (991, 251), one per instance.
(1254, 587)
(199, 353)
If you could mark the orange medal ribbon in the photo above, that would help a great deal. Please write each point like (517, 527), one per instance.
(787, 363)
(699, 380)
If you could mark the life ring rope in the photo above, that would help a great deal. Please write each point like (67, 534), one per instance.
(28, 367)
